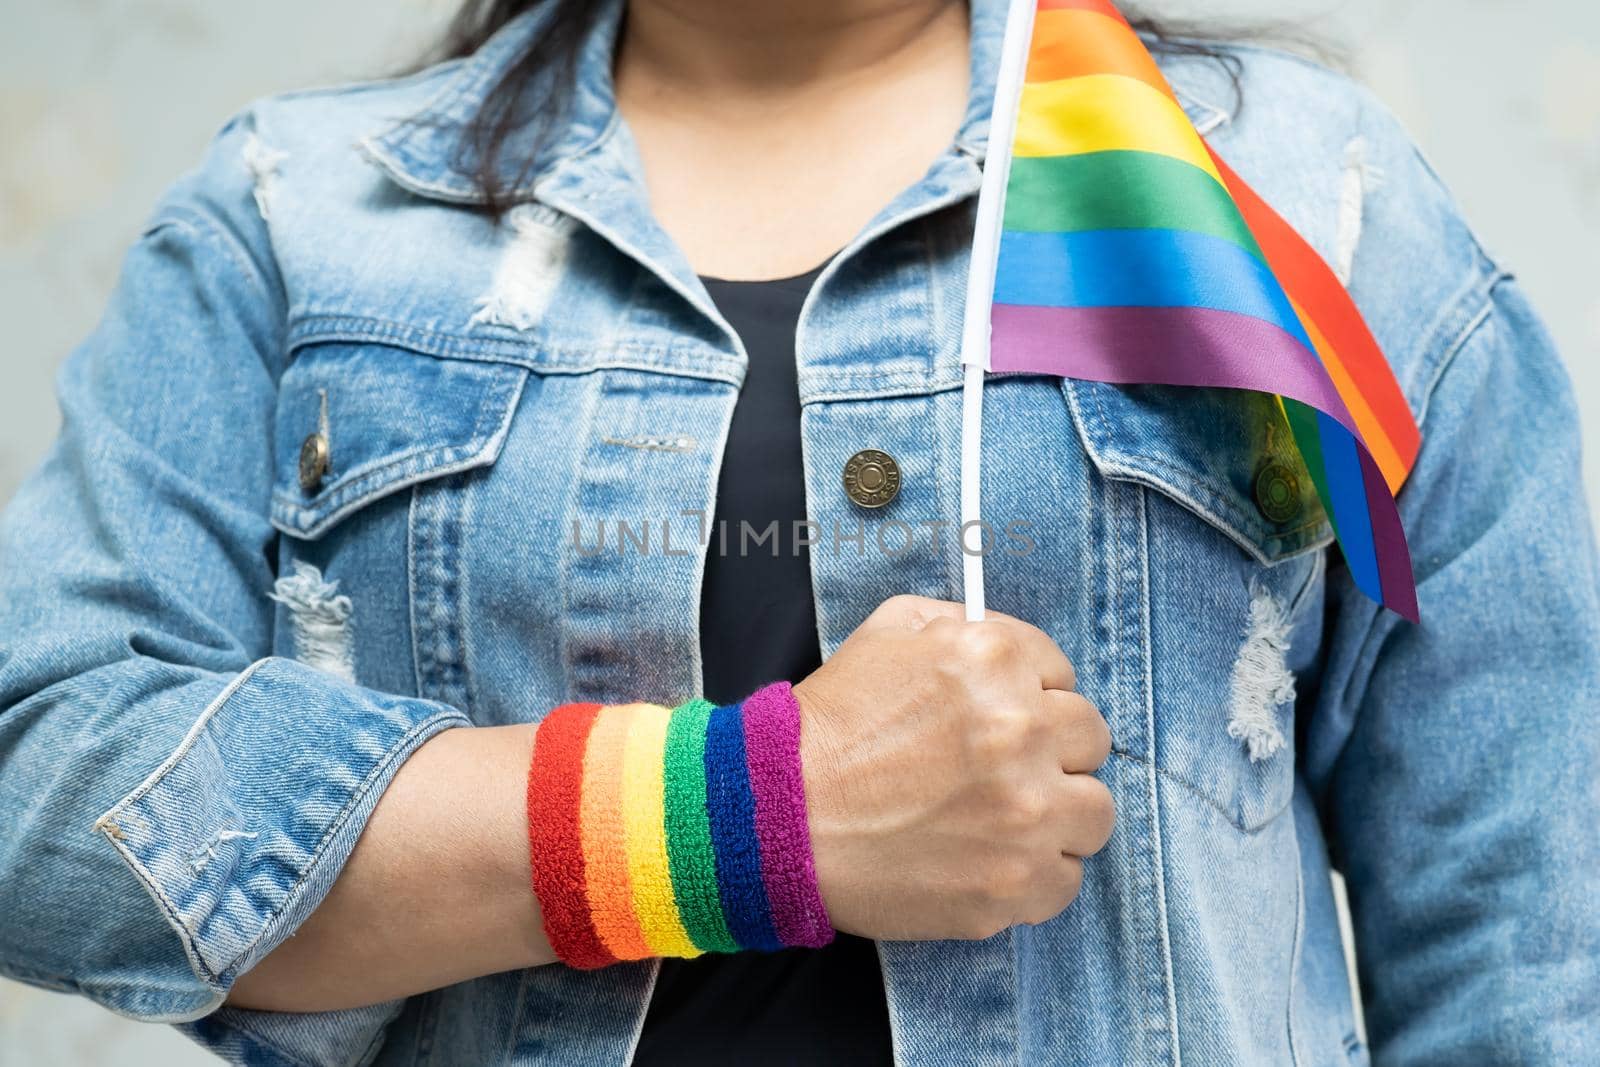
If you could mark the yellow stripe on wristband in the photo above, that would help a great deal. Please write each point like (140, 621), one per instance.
(645, 829)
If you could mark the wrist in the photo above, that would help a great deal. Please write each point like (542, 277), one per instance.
(656, 832)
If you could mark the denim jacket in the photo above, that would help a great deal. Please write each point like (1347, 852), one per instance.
(346, 464)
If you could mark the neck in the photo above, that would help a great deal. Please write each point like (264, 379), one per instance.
(763, 48)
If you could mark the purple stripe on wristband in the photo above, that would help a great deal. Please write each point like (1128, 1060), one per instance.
(788, 868)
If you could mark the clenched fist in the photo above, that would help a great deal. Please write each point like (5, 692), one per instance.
(948, 768)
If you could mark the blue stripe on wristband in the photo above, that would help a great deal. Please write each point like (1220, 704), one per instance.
(731, 804)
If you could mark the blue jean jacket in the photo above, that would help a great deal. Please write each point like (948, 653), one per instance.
(346, 465)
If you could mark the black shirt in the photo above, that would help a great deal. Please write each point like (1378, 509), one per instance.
(758, 624)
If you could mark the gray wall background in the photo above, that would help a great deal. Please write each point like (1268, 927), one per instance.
(104, 102)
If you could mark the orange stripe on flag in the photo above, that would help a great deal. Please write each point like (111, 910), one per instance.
(1373, 433)
(1071, 42)
(1104, 7)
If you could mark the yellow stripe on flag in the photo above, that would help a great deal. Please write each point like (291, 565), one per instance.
(1106, 113)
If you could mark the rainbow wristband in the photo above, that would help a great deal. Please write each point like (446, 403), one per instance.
(672, 833)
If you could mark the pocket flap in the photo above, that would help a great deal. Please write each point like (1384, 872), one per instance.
(1226, 455)
(387, 418)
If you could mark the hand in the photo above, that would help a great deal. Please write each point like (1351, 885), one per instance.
(948, 775)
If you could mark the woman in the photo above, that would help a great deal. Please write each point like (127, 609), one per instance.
(426, 406)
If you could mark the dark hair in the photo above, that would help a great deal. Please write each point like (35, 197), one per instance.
(536, 89)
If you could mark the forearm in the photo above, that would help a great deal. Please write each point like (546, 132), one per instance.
(436, 891)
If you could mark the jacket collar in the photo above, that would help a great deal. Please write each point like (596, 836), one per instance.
(428, 153)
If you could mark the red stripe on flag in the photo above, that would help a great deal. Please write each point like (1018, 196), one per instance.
(1311, 284)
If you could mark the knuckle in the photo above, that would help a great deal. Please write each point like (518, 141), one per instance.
(1024, 810)
(1095, 810)
(1072, 673)
(988, 645)
(946, 636)
(1009, 881)
(998, 735)
(1090, 732)
(896, 606)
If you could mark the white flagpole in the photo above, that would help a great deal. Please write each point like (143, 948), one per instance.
(980, 291)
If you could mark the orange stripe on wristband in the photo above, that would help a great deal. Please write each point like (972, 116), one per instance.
(610, 891)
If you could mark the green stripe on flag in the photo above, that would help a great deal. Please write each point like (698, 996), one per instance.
(1120, 190)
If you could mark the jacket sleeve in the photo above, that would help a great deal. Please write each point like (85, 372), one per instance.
(174, 801)
(1455, 761)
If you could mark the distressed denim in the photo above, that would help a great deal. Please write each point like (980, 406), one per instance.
(210, 669)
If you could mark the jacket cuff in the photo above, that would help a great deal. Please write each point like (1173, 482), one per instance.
(241, 832)
(351, 1038)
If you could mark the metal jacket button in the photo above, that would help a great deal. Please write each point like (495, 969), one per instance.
(313, 462)
(1277, 491)
(871, 478)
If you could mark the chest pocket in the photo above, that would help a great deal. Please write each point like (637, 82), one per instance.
(378, 454)
(1234, 535)
(357, 422)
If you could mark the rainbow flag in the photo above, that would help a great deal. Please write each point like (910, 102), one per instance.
(1129, 252)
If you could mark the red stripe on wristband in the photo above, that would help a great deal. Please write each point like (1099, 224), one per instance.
(554, 801)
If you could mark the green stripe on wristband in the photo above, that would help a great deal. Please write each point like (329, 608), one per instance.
(691, 856)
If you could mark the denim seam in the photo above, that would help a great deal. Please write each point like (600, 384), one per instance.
(631, 250)
(896, 1024)
(398, 162)
(1113, 469)
(869, 385)
(1199, 794)
(102, 825)
(203, 226)
(515, 1027)
(1159, 858)
(1379, 623)
(590, 407)
(189, 937)
(1319, 566)
(1014, 942)
(39, 978)
(1452, 324)
(379, 1039)
(411, 588)
(362, 486)
(351, 493)
(1483, 316)
(691, 360)
(953, 561)
(708, 497)
(1218, 509)
(643, 1008)
(1294, 536)
(429, 521)
(1221, 496)
(428, 1008)
(1295, 948)
(240, 1027)
(397, 752)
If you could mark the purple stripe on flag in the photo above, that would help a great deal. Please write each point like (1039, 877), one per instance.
(1163, 346)
(1389, 543)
